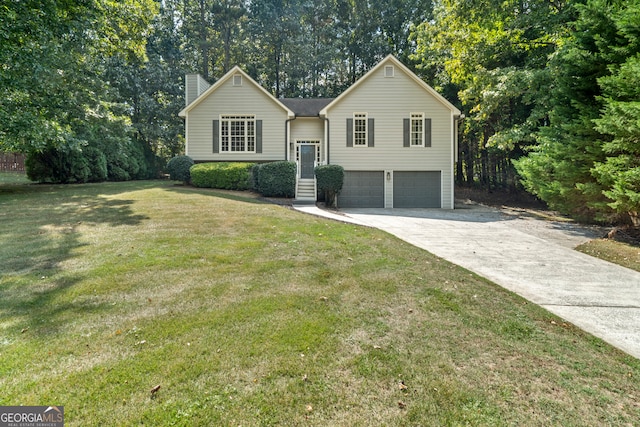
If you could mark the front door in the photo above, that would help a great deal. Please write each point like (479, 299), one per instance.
(307, 161)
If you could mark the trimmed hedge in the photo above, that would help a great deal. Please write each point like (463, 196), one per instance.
(276, 179)
(330, 179)
(224, 175)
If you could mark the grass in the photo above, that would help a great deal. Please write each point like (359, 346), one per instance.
(252, 314)
(613, 251)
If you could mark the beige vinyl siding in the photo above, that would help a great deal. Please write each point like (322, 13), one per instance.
(389, 101)
(228, 99)
(305, 129)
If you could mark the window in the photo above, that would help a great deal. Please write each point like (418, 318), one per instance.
(388, 71)
(237, 79)
(360, 129)
(417, 130)
(237, 134)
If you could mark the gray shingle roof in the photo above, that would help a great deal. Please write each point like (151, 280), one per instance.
(306, 107)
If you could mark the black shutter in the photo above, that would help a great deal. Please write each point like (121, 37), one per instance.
(427, 132)
(258, 136)
(407, 132)
(371, 132)
(216, 136)
(349, 132)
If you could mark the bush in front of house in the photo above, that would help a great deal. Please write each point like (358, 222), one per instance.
(224, 175)
(330, 179)
(276, 179)
(178, 168)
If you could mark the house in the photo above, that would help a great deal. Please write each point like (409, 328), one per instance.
(393, 134)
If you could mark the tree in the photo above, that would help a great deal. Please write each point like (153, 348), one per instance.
(52, 65)
(493, 55)
(619, 172)
(566, 168)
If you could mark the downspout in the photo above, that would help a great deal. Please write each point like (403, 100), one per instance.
(326, 139)
(286, 137)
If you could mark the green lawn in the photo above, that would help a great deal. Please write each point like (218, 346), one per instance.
(251, 314)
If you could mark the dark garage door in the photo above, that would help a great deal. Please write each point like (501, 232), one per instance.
(362, 190)
(416, 190)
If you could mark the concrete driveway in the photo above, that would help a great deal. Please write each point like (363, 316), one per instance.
(528, 256)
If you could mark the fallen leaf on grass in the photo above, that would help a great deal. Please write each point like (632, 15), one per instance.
(155, 389)
(402, 386)
(309, 408)
(401, 404)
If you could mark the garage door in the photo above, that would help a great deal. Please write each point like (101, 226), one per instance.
(362, 190)
(416, 190)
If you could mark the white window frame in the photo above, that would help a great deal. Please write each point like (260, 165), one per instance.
(244, 139)
(416, 130)
(389, 71)
(360, 129)
(237, 79)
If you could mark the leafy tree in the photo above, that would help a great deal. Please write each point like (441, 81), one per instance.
(493, 55)
(566, 168)
(52, 68)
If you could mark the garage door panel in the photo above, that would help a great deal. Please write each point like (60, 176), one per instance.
(417, 189)
(362, 189)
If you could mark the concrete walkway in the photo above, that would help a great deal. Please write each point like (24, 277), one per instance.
(528, 256)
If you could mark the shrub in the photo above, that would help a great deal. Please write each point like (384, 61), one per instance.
(97, 164)
(330, 179)
(227, 176)
(178, 168)
(277, 179)
(58, 165)
(255, 173)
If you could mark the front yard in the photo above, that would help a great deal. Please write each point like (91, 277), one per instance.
(246, 313)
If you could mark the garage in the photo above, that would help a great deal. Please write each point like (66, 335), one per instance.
(417, 189)
(362, 189)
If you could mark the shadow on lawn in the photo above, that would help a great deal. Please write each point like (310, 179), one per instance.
(43, 226)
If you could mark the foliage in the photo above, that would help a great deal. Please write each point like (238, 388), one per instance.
(493, 57)
(58, 165)
(576, 167)
(179, 168)
(223, 175)
(330, 179)
(276, 179)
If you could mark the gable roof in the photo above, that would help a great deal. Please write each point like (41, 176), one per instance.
(235, 70)
(306, 107)
(392, 60)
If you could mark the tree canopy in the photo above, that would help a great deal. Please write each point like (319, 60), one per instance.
(549, 88)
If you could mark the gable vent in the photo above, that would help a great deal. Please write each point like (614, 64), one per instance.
(388, 71)
(237, 79)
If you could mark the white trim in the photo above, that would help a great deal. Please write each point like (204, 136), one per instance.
(418, 117)
(389, 71)
(394, 61)
(363, 135)
(216, 85)
(244, 118)
(237, 79)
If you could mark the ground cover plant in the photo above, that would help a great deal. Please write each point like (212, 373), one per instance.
(150, 303)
